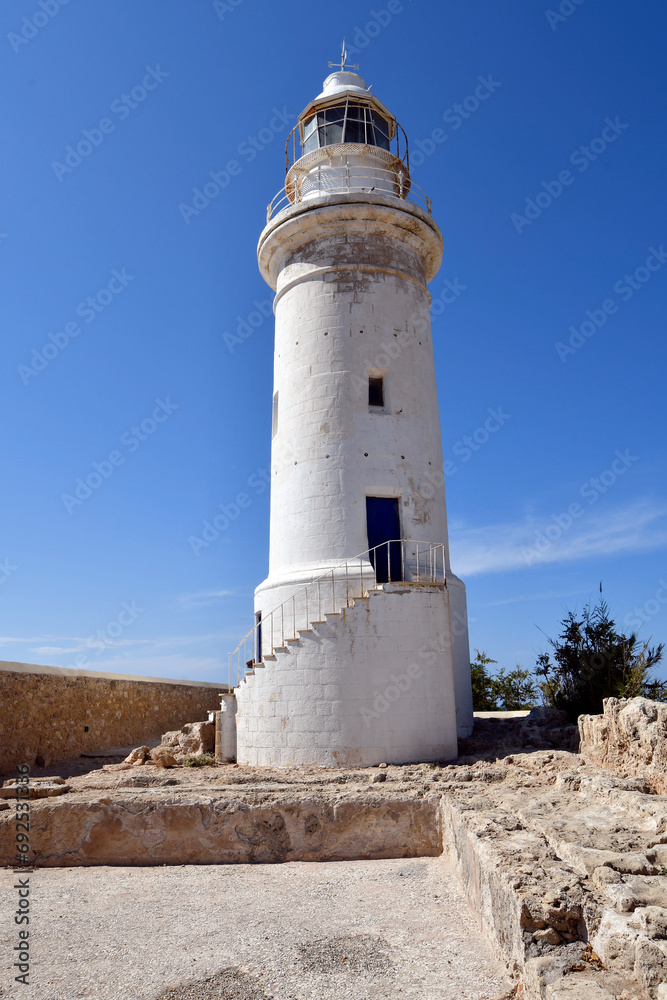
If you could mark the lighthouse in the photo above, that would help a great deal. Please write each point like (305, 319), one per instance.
(359, 651)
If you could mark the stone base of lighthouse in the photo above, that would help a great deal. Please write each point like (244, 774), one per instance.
(373, 682)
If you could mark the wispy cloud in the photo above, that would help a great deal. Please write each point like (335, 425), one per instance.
(70, 645)
(203, 599)
(493, 548)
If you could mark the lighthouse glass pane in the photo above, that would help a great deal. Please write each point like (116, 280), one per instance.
(354, 123)
(355, 131)
(310, 135)
(381, 130)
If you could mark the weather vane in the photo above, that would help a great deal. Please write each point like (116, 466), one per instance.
(343, 57)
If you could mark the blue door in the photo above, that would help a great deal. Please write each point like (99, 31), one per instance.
(384, 526)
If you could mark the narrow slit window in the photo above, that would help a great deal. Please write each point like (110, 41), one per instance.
(274, 422)
(376, 391)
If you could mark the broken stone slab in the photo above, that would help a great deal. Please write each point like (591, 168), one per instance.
(38, 788)
(193, 739)
(587, 859)
(630, 737)
(632, 892)
(652, 920)
(578, 988)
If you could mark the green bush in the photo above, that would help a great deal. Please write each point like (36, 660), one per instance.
(510, 691)
(593, 661)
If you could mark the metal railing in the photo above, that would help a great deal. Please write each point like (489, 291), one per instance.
(396, 561)
(348, 179)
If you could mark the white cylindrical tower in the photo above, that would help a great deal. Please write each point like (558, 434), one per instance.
(356, 461)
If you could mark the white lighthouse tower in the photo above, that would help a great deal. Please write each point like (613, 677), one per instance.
(360, 652)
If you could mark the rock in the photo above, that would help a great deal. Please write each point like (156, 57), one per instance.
(380, 776)
(382, 765)
(587, 859)
(630, 737)
(658, 855)
(634, 891)
(547, 936)
(38, 788)
(163, 757)
(193, 739)
(137, 756)
(652, 920)
(604, 877)
(578, 987)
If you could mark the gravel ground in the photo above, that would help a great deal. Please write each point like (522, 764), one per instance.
(357, 930)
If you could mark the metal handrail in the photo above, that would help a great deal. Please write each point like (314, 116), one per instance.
(431, 556)
(381, 180)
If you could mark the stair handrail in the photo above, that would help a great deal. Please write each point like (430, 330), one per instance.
(430, 572)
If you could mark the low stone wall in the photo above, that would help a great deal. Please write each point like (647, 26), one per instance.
(629, 737)
(183, 828)
(56, 714)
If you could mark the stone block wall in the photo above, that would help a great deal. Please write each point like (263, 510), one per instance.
(57, 714)
(373, 684)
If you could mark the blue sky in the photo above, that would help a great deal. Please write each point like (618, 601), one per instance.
(124, 313)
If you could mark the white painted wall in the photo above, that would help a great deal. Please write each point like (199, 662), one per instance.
(374, 684)
(351, 276)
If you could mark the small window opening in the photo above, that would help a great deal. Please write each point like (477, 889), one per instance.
(274, 422)
(375, 391)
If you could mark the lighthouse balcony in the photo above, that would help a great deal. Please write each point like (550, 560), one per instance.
(347, 168)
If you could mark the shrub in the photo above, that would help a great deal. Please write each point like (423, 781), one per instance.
(198, 760)
(510, 691)
(594, 661)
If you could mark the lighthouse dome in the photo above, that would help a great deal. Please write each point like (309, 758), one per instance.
(340, 81)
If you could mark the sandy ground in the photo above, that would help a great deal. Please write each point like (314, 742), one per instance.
(363, 930)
